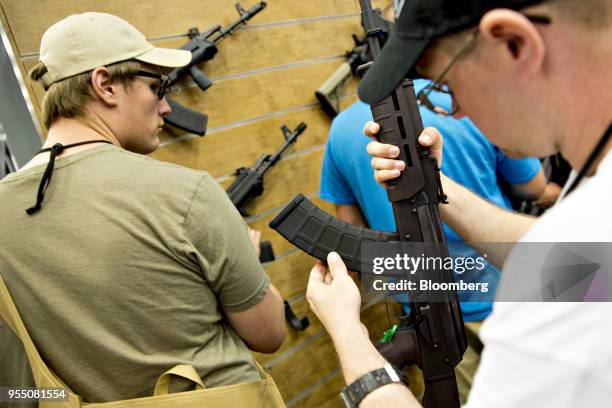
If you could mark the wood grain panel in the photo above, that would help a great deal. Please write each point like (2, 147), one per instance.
(305, 367)
(274, 46)
(288, 178)
(155, 18)
(290, 274)
(221, 153)
(380, 4)
(326, 395)
(256, 95)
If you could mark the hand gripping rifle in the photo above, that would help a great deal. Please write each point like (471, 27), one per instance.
(435, 338)
(203, 47)
(248, 185)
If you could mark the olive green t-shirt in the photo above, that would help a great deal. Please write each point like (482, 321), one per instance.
(127, 270)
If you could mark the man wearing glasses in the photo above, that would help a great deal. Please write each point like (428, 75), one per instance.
(533, 76)
(123, 266)
(470, 160)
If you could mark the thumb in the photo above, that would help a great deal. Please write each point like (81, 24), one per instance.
(336, 266)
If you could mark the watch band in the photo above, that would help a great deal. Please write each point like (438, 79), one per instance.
(354, 393)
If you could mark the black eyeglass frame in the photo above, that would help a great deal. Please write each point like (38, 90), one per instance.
(163, 87)
(438, 86)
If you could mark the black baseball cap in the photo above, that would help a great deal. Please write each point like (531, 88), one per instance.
(419, 22)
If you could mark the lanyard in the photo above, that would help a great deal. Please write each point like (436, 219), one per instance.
(587, 166)
(55, 150)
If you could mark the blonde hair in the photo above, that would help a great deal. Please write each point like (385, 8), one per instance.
(67, 98)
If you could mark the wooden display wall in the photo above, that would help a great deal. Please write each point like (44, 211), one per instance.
(264, 76)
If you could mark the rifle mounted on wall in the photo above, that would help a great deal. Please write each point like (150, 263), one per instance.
(248, 185)
(203, 47)
(330, 91)
(249, 180)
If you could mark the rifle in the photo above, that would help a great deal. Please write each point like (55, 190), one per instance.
(329, 92)
(203, 47)
(249, 180)
(248, 185)
(435, 337)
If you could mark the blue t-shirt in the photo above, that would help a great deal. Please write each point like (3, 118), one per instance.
(469, 159)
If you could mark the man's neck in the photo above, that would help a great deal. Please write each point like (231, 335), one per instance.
(578, 151)
(68, 131)
(589, 104)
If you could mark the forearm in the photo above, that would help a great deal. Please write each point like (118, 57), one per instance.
(478, 221)
(532, 189)
(358, 356)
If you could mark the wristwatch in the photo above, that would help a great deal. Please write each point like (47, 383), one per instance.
(354, 393)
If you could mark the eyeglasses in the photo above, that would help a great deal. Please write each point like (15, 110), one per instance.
(438, 86)
(163, 87)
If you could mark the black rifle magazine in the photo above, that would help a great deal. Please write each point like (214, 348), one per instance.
(186, 119)
(318, 233)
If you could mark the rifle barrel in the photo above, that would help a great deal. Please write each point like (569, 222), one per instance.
(290, 140)
(244, 17)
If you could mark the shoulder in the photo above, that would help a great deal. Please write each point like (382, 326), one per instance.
(150, 169)
(148, 180)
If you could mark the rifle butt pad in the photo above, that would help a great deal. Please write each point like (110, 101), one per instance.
(328, 92)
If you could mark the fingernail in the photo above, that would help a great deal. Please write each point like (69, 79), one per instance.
(399, 165)
(333, 257)
(395, 173)
(394, 151)
(425, 139)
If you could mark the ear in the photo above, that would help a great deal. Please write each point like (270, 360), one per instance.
(103, 87)
(524, 45)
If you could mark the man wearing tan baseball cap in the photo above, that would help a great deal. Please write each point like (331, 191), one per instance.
(125, 266)
(82, 42)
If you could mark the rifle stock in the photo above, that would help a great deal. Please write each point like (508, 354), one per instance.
(329, 92)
